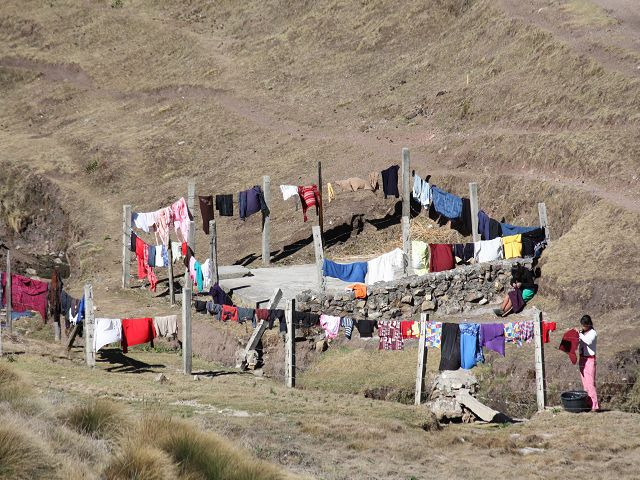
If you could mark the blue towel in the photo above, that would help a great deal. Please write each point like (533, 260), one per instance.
(508, 229)
(349, 272)
(470, 351)
(151, 253)
(446, 204)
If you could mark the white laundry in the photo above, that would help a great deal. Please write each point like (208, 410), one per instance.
(288, 191)
(206, 274)
(176, 251)
(106, 331)
(382, 268)
(421, 191)
(488, 250)
(330, 324)
(144, 221)
(159, 257)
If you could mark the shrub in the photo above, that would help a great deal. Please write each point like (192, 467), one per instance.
(22, 456)
(140, 462)
(98, 418)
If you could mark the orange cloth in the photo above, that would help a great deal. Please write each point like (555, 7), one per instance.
(360, 290)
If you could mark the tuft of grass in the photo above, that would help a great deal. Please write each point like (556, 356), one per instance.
(99, 418)
(22, 456)
(141, 463)
(15, 392)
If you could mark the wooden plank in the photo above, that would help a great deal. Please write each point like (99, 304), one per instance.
(422, 359)
(72, 336)
(317, 246)
(544, 220)
(290, 346)
(172, 293)
(266, 223)
(88, 327)
(473, 197)
(541, 387)
(213, 253)
(126, 243)
(258, 332)
(321, 209)
(406, 211)
(187, 293)
(8, 295)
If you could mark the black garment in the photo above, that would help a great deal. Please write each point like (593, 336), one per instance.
(246, 314)
(530, 240)
(435, 216)
(276, 314)
(365, 328)
(390, 181)
(463, 224)
(495, 229)
(206, 211)
(305, 319)
(187, 257)
(464, 251)
(450, 347)
(224, 205)
(201, 306)
(132, 246)
(219, 296)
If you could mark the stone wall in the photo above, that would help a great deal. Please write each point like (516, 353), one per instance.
(452, 291)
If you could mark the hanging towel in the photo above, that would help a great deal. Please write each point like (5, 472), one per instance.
(143, 221)
(419, 257)
(206, 211)
(348, 272)
(488, 227)
(382, 268)
(181, 219)
(492, 337)
(331, 194)
(433, 334)
(408, 329)
(512, 246)
(176, 251)
(136, 331)
(309, 197)
(288, 191)
(106, 331)
(441, 257)
(446, 204)
(450, 347)
(27, 294)
(347, 324)
(470, 351)
(390, 181)
(488, 250)
(330, 325)
(166, 326)
(390, 334)
(224, 205)
(421, 191)
(508, 229)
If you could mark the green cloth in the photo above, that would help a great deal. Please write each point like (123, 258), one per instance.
(527, 294)
(419, 257)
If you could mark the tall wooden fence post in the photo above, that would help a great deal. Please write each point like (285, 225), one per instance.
(89, 327)
(473, 198)
(541, 383)
(191, 195)
(8, 295)
(406, 211)
(266, 222)
(290, 346)
(213, 253)
(172, 292)
(321, 209)
(422, 359)
(126, 245)
(317, 246)
(544, 220)
(186, 312)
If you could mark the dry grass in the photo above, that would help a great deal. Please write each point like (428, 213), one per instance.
(99, 418)
(141, 462)
(23, 456)
(587, 13)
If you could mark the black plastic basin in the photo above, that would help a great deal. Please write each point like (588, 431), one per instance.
(575, 401)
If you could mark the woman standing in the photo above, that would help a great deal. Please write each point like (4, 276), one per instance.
(587, 350)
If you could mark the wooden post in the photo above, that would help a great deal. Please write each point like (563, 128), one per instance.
(290, 346)
(321, 209)
(56, 331)
(213, 253)
(544, 221)
(72, 337)
(317, 245)
(266, 222)
(89, 326)
(258, 332)
(186, 312)
(191, 195)
(126, 244)
(8, 296)
(473, 197)
(422, 359)
(541, 384)
(406, 210)
(172, 293)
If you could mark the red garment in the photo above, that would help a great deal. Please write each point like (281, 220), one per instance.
(184, 248)
(27, 294)
(262, 314)
(441, 257)
(144, 270)
(390, 335)
(406, 326)
(569, 344)
(309, 197)
(547, 328)
(136, 331)
(229, 313)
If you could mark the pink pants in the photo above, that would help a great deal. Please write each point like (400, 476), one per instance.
(588, 375)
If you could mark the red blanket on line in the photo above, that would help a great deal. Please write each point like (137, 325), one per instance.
(27, 294)
(136, 331)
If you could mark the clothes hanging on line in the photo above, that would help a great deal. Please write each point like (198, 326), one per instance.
(518, 332)
(464, 251)
(331, 325)
(390, 181)
(533, 242)
(144, 270)
(433, 335)
(450, 347)
(348, 272)
(508, 230)
(441, 257)
(132, 244)
(488, 227)
(410, 328)
(309, 197)
(470, 351)
(219, 296)
(488, 250)
(224, 205)
(421, 191)
(305, 319)
(166, 326)
(383, 268)
(229, 313)
(252, 201)
(27, 294)
(176, 251)
(176, 215)
(547, 328)
(246, 314)
(331, 194)
(288, 191)
(106, 331)
(347, 324)
(512, 245)
(419, 257)
(143, 221)
(365, 328)
(206, 274)
(390, 335)
(136, 331)
(55, 291)
(446, 204)
(463, 224)
(206, 211)
(492, 337)
(151, 255)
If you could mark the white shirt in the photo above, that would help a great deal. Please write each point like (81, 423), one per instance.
(488, 250)
(288, 191)
(382, 268)
(106, 331)
(588, 342)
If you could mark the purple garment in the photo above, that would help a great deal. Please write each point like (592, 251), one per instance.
(219, 296)
(517, 302)
(492, 337)
(252, 201)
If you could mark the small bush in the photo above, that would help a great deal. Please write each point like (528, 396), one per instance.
(22, 457)
(91, 166)
(98, 418)
(141, 463)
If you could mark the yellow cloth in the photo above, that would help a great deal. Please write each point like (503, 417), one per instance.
(419, 257)
(512, 246)
(330, 192)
